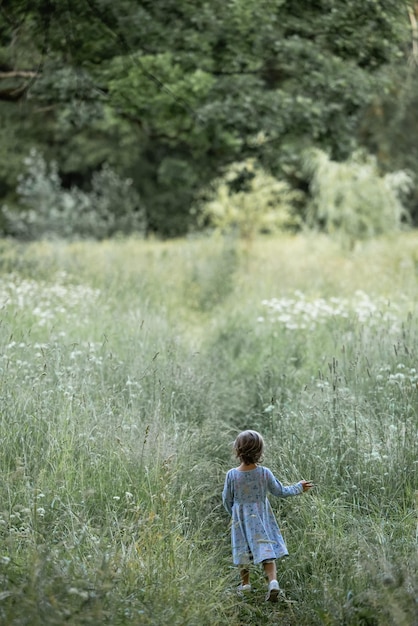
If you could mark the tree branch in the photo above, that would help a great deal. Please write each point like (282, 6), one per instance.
(414, 31)
(18, 74)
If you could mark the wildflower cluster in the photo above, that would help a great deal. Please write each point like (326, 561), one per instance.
(20, 519)
(402, 376)
(47, 301)
(300, 312)
(31, 364)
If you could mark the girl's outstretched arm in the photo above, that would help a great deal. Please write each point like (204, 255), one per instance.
(277, 489)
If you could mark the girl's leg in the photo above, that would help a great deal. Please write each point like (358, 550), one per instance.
(270, 570)
(273, 588)
(245, 575)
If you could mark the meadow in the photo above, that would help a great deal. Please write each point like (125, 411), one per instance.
(127, 368)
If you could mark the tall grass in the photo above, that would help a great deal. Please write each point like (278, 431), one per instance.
(126, 369)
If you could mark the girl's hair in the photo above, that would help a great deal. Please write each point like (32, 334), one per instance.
(249, 446)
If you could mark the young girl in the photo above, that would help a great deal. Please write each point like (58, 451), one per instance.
(256, 537)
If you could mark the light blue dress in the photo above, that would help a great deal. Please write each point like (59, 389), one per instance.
(255, 535)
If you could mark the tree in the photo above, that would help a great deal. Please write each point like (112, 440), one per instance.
(388, 128)
(247, 201)
(352, 200)
(169, 92)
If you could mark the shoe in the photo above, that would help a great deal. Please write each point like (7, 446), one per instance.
(273, 591)
(243, 588)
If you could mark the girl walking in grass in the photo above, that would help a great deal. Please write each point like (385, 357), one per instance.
(255, 535)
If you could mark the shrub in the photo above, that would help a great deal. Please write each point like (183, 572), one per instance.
(351, 199)
(112, 206)
(247, 200)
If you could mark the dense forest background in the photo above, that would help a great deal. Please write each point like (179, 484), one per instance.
(134, 116)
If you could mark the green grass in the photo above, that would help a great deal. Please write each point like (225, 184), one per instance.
(126, 370)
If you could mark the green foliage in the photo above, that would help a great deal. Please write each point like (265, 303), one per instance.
(111, 207)
(130, 87)
(247, 201)
(172, 86)
(388, 127)
(352, 200)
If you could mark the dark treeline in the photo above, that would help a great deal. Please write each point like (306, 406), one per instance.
(142, 103)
